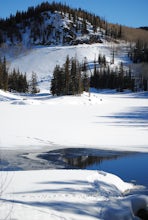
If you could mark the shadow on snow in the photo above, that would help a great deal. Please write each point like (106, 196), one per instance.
(134, 117)
(87, 193)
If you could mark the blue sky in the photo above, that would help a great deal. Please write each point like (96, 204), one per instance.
(133, 13)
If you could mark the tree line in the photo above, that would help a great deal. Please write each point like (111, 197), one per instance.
(70, 79)
(74, 77)
(15, 80)
(105, 77)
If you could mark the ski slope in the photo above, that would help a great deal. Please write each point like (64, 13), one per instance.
(42, 60)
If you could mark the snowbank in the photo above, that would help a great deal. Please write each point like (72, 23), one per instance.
(66, 194)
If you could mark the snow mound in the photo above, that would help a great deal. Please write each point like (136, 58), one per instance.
(67, 194)
(18, 103)
(118, 186)
(125, 209)
(7, 96)
(25, 102)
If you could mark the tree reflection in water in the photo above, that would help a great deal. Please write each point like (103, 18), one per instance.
(80, 158)
(83, 162)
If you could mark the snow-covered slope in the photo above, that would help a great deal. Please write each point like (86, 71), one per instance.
(42, 60)
(50, 27)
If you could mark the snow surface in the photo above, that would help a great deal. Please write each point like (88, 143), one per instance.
(67, 195)
(103, 120)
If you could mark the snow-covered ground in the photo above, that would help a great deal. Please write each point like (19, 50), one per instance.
(104, 120)
(67, 195)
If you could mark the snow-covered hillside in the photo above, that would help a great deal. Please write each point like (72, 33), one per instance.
(42, 60)
(44, 36)
(51, 27)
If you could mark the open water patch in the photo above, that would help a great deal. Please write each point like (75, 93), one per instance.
(129, 166)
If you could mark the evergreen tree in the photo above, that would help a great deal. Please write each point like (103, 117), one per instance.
(58, 81)
(120, 32)
(67, 75)
(4, 75)
(17, 82)
(12, 82)
(33, 84)
(73, 72)
(104, 61)
(84, 27)
(68, 80)
(121, 77)
(113, 56)
(99, 59)
(85, 77)
(79, 79)
(54, 81)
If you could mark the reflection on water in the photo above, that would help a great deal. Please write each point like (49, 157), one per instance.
(80, 158)
(88, 161)
(131, 167)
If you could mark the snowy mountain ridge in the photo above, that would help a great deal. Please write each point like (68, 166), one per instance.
(46, 26)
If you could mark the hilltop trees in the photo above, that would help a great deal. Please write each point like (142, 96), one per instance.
(34, 20)
(34, 23)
